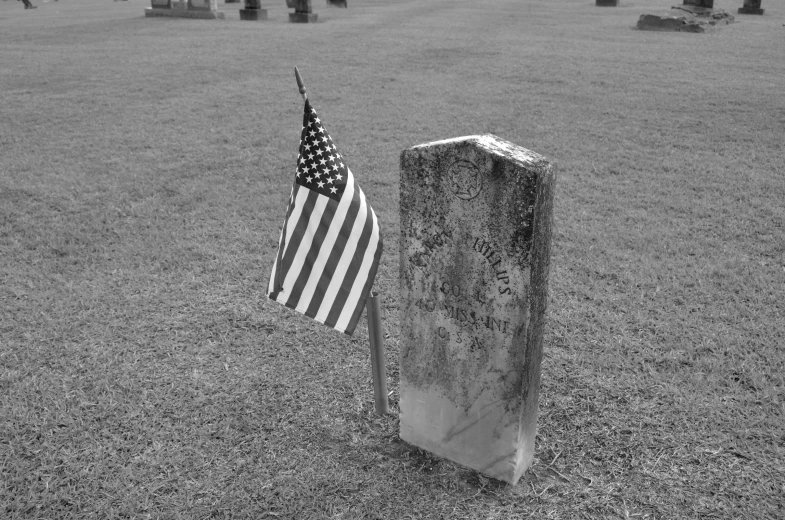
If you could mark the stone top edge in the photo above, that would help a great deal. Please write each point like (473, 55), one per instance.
(492, 144)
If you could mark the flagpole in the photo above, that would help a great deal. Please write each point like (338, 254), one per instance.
(278, 282)
(377, 354)
(300, 84)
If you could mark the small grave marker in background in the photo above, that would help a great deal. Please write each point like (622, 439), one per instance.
(475, 253)
(751, 7)
(253, 11)
(303, 12)
(607, 3)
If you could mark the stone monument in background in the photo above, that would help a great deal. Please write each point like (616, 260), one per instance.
(184, 9)
(253, 11)
(303, 12)
(476, 217)
(751, 7)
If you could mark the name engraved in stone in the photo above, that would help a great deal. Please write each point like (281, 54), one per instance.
(484, 248)
(430, 245)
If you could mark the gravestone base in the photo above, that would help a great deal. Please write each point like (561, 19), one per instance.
(253, 14)
(607, 3)
(685, 18)
(177, 13)
(303, 17)
(476, 215)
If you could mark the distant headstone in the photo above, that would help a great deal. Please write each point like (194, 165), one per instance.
(303, 12)
(184, 9)
(253, 11)
(607, 3)
(751, 7)
(336, 3)
(476, 218)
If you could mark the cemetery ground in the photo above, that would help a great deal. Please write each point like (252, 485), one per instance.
(145, 166)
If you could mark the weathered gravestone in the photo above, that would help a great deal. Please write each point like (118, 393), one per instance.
(607, 3)
(475, 250)
(751, 7)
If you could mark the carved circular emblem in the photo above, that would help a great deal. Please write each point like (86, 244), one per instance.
(465, 179)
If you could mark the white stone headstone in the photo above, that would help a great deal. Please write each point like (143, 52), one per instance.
(476, 216)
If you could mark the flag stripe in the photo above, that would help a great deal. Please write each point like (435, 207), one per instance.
(296, 260)
(343, 266)
(361, 286)
(272, 287)
(320, 240)
(331, 274)
(353, 267)
(299, 202)
(304, 210)
(343, 216)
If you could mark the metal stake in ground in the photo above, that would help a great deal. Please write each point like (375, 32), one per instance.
(377, 354)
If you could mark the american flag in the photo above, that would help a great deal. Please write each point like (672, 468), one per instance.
(330, 244)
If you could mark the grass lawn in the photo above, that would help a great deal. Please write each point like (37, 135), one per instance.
(145, 166)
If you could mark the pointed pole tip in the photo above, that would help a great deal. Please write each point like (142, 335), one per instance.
(300, 84)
